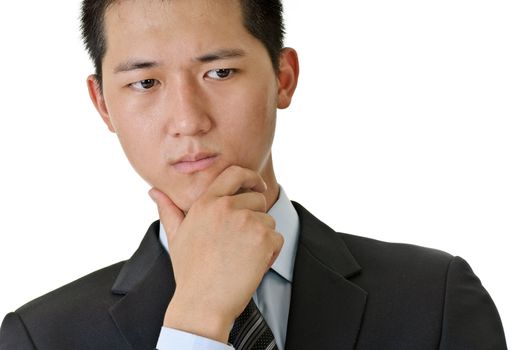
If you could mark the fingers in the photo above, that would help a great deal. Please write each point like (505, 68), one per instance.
(265, 219)
(235, 179)
(170, 215)
(277, 241)
(249, 200)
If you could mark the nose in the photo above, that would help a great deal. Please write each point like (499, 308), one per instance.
(187, 112)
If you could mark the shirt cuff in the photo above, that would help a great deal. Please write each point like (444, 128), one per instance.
(175, 339)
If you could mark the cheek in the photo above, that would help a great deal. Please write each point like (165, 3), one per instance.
(142, 153)
(138, 135)
(251, 121)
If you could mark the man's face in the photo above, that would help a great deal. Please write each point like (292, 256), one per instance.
(189, 91)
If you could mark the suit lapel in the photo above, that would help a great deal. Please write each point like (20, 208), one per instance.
(326, 308)
(146, 283)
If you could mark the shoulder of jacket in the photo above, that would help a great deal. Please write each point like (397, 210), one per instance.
(364, 248)
(77, 292)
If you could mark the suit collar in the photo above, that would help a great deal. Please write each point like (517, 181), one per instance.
(146, 283)
(325, 244)
(326, 307)
(135, 269)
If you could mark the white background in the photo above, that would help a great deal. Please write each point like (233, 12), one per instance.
(407, 126)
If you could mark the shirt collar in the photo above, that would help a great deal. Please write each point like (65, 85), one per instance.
(287, 223)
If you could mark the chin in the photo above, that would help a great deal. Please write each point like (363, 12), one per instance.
(186, 190)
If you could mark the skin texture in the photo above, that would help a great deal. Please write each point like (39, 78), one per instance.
(174, 100)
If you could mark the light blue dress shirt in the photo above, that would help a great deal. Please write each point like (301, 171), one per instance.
(273, 295)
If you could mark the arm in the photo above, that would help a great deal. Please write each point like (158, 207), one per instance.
(220, 250)
(14, 335)
(470, 318)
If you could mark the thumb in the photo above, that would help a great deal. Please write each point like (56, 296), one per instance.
(170, 215)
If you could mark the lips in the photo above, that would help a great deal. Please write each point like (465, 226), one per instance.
(193, 162)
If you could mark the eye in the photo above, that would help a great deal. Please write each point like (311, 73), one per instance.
(144, 85)
(220, 74)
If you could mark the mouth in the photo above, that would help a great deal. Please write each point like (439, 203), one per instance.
(194, 162)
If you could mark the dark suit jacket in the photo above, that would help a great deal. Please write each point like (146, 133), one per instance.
(348, 293)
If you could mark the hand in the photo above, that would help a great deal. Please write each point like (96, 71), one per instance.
(219, 251)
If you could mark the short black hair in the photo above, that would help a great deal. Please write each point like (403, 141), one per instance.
(262, 18)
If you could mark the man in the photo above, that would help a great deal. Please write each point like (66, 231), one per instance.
(191, 88)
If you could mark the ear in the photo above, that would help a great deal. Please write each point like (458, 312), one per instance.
(287, 76)
(95, 92)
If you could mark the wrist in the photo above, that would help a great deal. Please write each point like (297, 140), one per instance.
(198, 319)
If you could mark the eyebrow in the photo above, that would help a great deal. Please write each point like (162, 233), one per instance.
(134, 65)
(220, 55)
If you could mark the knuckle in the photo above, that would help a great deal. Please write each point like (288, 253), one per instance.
(225, 203)
(260, 229)
(244, 218)
(271, 222)
(262, 233)
(234, 170)
(280, 239)
(261, 199)
(244, 173)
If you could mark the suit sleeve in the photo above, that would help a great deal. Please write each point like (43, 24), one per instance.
(470, 318)
(14, 335)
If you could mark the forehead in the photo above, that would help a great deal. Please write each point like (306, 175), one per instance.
(174, 30)
(127, 17)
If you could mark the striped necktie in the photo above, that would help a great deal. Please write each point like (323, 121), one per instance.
(251, 332)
